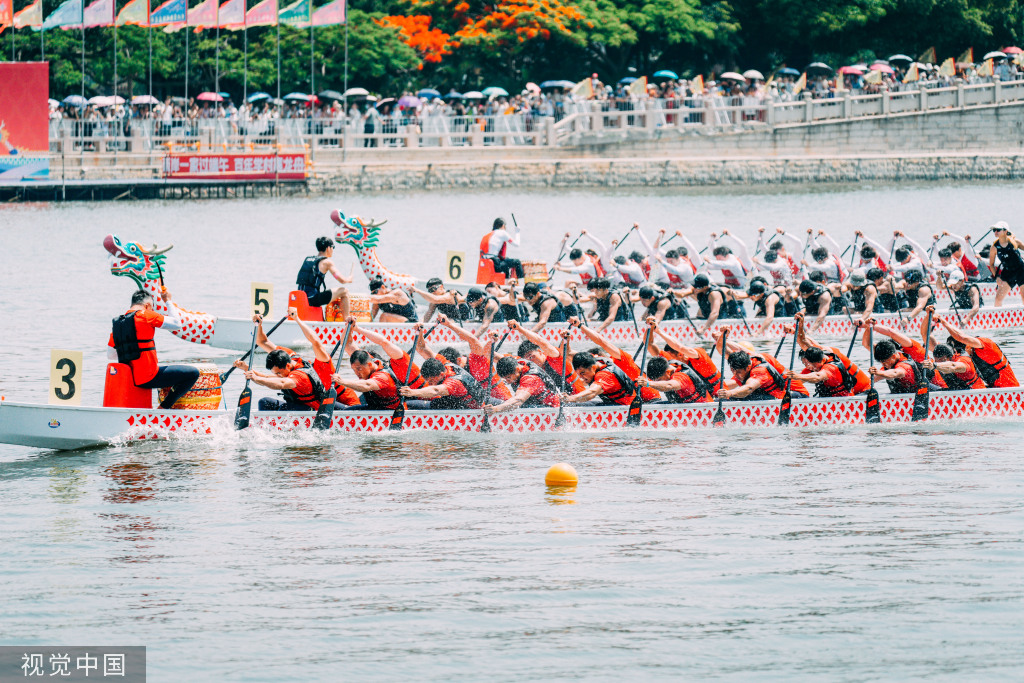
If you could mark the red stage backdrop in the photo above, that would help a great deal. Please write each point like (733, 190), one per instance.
(24, 117)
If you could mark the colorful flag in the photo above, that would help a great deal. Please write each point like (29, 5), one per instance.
(873, 77)
(584, 87)
(6, 14)
(801, 83)
(928, 57)
(295, 14)
(203, 15)
(30, 16)
(232, 14)
(97, 13)
(967, 57)
(986, 68)
(68, 14)
(135, 13)
(948, 68)
(171, 12)
(697, 84)
(912, 74)
(638, 88)
(263, 14)
(331, 14)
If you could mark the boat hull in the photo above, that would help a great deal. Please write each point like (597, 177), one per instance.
(68, 428)
(236, 333)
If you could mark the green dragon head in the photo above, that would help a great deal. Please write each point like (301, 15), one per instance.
(133, 260)
(355, 232)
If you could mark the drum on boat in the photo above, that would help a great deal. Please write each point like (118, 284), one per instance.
(204, 394)
(359, 306)
(535, 271)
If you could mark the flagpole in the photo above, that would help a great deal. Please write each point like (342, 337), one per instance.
(245, 54)
(312, 41)
(344, 102)
(278, 57)
(83, 48)
(216, 70)
(186, 59)
(149, 64)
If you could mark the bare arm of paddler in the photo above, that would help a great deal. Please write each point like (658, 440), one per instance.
(960, 335)
(901, 339)
(924, 293)
(476, 346)
(546, 347)
(613, 351)
(270, 381)
(746, 389)
(393, 352)
(327, 266)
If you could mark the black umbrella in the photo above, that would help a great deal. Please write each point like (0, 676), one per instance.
(330, 95)
(818, 67)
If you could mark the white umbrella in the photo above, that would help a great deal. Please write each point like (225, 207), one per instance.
(356, 92)
(53, 103)
(732, 76)
(145, 99)
(473, 95)
(753, 75)
(995, 54)
(106, 101)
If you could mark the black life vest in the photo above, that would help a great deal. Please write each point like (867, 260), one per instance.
(318, 393)
(475, 393)
(912, 296)
(499, 313)
(704, 304)
(989, 372)
(126, 340)
(604, 307)
(549, 384)
(626, 385)
(812, 302)
(408, 311)
(671, 313)
(904, 385)
(1009, 260)
(955, 383)
(700, 386)
(459, 312)
(558, 313)
(761, 305)
(310, 280)
(963, 297)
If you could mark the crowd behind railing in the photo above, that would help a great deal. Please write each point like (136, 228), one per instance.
(536, 116)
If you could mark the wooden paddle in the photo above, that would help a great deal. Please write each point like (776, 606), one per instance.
(921, 397)
(872, 411)
(952, 299)
(787, 396)
(485, 426)
(560, 418)
(629, 307)
(398, 417)
(325, 414)
(719, 419)
(228, 372)
(636, 406)
(244, 409)
(899, 310)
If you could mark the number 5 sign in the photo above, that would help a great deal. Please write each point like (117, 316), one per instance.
(65, 377)
(456, 265)
(262, 298)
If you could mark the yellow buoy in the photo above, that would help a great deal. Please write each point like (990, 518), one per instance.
(561, 474)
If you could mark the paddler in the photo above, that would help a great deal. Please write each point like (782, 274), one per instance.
(547, 357)
(898, 370)
(550, 306)
(448, 387)
(295, 396)
(852, 375)
(817, 301)
(696, 357)
(660, 305)
(450, 304)
(476, 361)
(494, 246)
(756, 376)
(608, 384)
(377, 380)
(1010, 272)
(711, 303)
(621, 359)
(609, 306)
(393, 305)
(988, 358)
(956, 368)
(486, 307)
(131, 342)
(919, 293)
(532, 386)
(677, 381)
(312, 275)
(585, 264)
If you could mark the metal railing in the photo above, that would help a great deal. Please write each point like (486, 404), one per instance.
(575, 123)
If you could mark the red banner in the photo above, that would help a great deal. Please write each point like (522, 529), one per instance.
(235, 166)
(24, 120)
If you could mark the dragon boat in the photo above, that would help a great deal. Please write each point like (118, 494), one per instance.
(145, 266)
(69, 428)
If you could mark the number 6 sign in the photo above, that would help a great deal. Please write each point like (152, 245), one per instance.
(65, 377)
(456, 265)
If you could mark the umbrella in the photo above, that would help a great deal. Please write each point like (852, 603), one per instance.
(732, 76)
(330, 95)
(851, 71)
(409, 101)
(665, 73)
(102, 101)
(1012, 50)
(53, 103)
(818, 66)
(556, 85)
(753, 75)
(428, 94)
(627, 80)
(145, 99)
(495, 91)
(901, 58)
(884, 68)
(225, 95)
(257, 96)
(453, 95)
(881, 61)
(296, 97)
(532, 87)
(995, 54)
(209, 97)
(787, 71)
(386, 100)
(473, 95)
(75, 101)
(356, 92)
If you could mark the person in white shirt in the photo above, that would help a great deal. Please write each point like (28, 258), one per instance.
(494, 246)
(963, 252)
(734, 268)
(785, 245)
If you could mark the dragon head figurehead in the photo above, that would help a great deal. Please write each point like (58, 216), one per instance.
(131, 259)
(354, 231)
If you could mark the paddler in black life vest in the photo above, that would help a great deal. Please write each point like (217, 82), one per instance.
(447, 387)
(394, 305)
(313, 273)
(660, 305)
(550, 307)
(449, 304)
(608, 305)
(711, 302)
(965, 292)
(486, 308)
(817, 302)
(861, 294)
(1010, 272)
(131, 342)
(898, 370)
(919, 293)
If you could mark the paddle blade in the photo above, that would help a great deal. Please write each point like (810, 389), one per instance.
(325, 413)
(485, 425)
(397, 418)
(784, 409)
(560, 418)
(872, 411)
(920, 404)
(635, 413)
(244, 409)
(719, 419)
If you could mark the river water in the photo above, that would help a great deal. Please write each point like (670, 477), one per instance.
(853, 554)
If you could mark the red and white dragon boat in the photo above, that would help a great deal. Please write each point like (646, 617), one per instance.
(67, 428)
(130, 259)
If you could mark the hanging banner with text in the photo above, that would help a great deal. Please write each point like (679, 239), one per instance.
(235, 166)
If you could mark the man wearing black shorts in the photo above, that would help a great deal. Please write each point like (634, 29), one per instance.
(313, 273)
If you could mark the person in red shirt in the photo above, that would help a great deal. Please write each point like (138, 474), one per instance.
(447, 388)
(476, 362)
(494, 246)
(862, 382)
(532, 386)
(956, 369)
(607, 382)
(756, 379)
(294, 378)
(545, 355)
(678, 382)
(131, 341)
(694, 356)
(823, 372)
(899, 372)
(620, 358)
(376, 380)
(988, 358)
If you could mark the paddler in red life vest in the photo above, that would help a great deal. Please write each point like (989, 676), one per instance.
(911, 348)
(607, 383)
(447, 387)
(313, 273)
(860, 380)
(899, 371)
(131, 342)
(297, 398)
(988, 358)
(532, 386)
(377, 380)
(476, 362)
(547, 357)
(697, 358)
(619, 358)
(494, 246)
(824, 372)
(956, 369)
(755, 378)
(677, 381)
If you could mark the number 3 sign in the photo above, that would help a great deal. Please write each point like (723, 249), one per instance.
(65, 377)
